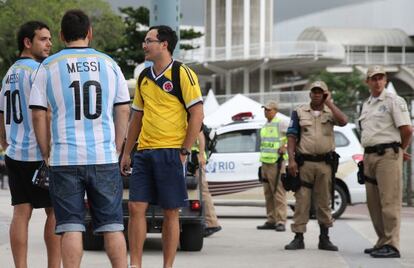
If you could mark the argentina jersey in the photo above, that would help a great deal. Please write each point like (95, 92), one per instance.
(14, 106)
(81, 86)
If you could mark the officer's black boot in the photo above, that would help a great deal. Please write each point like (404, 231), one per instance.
(297, 242)
(324, 242)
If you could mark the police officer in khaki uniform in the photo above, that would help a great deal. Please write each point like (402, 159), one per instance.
(271, 155)
(310, 142)
(212, 224)
(385, 134)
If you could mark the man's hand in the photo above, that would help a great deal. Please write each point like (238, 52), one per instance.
(327, 95)
(202, 160)
(183, 158)
(125, 165)
(406, 156)
(293, 168)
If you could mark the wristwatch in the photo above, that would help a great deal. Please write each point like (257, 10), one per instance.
(184, 151)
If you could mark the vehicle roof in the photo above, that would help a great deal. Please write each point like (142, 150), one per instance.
(257, 124)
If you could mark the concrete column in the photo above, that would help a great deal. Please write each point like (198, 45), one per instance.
(167, 13)
(246, 81)
(228, 83)
(262, 26)
(213, 29)
(261, 82)
(229, 9)
(246, 28)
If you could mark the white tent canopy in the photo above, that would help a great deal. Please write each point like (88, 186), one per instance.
(210, 103)
(235, 105)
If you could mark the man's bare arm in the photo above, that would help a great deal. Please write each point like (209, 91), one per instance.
(121, 124)
(42, 132)
(194, 125)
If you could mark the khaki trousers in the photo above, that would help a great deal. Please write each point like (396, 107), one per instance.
(385, 199)
(276, 204)
(318, 174)
(210, 212)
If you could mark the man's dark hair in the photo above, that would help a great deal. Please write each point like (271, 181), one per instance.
(75, 25)
(27, 30)
(165, 33)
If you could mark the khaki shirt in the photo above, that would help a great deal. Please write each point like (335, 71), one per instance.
(381, 117)
(316, 133)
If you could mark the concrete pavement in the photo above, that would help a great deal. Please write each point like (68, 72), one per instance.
(239, 244)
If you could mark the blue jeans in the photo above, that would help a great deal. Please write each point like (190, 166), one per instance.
(103, 187)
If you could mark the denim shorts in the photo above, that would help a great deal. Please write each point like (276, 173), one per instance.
(158, 178)
(103, 186)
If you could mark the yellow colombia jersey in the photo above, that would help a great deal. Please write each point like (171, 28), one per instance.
(164, 124)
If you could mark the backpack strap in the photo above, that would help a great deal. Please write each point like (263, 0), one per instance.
(175, 69)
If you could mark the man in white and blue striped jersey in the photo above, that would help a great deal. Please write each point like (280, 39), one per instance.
(17, 137)
(88, 98)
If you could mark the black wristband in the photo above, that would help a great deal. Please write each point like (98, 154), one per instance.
(184, 151)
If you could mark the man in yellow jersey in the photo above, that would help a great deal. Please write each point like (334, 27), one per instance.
(166, 128)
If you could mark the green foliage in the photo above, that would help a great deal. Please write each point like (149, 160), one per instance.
(348, 90)
(107, 26)
(130, 52)
(189, 34)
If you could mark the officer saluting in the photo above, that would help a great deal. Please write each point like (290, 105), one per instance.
(385, 134)
(311, 146)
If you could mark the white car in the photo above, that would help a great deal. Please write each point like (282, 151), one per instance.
(232, 169)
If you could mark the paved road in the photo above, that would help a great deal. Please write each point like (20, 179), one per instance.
(240, 244)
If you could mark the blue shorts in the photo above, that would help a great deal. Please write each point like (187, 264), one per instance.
(158, 178)
(103, 186)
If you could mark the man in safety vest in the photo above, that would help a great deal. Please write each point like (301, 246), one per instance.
(272, 150)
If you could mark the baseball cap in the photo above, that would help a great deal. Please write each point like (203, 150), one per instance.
(270, 105)
(375, 69)
(319, 84)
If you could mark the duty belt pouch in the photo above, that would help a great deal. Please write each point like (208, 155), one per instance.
(41, 176)
(289, 182)
(360, 174)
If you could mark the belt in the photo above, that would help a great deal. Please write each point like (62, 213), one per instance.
(381, 147)
(314, 158)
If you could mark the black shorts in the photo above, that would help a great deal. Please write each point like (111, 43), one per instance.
(20, 182)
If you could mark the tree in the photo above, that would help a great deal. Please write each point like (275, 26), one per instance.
(348, 90)
(130, 53)
(107, 26)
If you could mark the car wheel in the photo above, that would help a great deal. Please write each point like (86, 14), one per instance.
(192, 237)
(340, 202)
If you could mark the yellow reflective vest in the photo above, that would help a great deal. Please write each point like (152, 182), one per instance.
(270, 142)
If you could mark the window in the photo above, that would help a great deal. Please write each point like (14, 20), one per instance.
(340, 139)
(237, 142)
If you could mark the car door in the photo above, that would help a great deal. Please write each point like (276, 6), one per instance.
(233, 165)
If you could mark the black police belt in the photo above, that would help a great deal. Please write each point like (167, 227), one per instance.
(314, 158)
(311, 158)
(380, 148)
